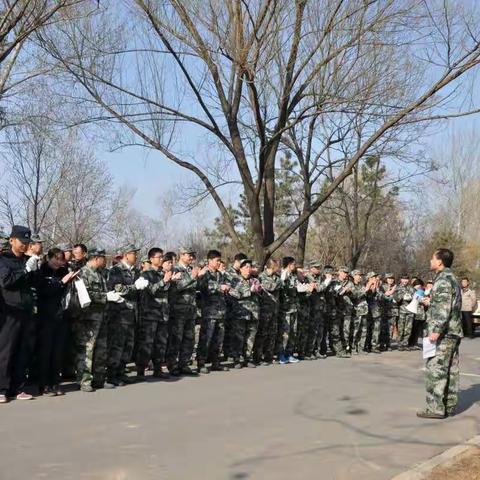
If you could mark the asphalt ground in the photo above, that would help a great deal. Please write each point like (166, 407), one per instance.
(324, 419)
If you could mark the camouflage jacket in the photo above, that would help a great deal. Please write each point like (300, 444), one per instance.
(444, 314)
(122, 279)
(96, 287)
(184, 290)
(317, 297)
(213, 299)
(390, 305)
(155, 295)
(289, 294)
(375, 300)
(272, 286)
(403, 295)
(244, 302)
(359, 299)
(344, 300)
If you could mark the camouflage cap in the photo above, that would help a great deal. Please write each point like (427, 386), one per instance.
(36, 238)
(186, 249)
(145, 260)
(245, 261)
(405, 275)
(65, 247)
(371, 275)
(389, 275)
(356, 272)
(344, 269)
(130, 248)
(96, 252)
(328, 269)
(315, 264)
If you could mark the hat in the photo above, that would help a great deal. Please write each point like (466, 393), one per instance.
(96, 252)
(186, 249)
(36, 238)
(23, 234)
(145, 260)
(130, 248)
(404, 275)
(328, 269)
(389, 275)
(245, 261)
(315, 264)
(371, 275)
(356, 272)
(65, 247)
(344, 269)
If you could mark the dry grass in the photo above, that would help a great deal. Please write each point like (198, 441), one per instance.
(465, 466)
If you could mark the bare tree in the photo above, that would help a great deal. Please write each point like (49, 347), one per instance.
(242, 74)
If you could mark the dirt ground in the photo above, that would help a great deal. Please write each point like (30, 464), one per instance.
(463, 467)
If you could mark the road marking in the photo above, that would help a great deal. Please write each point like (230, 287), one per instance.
(470, 375)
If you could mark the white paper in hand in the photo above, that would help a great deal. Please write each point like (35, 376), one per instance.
(83, 296)
(429, 348)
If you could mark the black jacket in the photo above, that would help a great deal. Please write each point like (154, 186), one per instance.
(16, 284)
(50, 291)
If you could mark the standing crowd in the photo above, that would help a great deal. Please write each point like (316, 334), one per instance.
(179, 316)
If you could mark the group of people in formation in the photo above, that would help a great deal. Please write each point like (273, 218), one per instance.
(176, 316)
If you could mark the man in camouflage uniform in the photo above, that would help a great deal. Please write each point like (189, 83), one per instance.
(232, 272)
(374, 300)
(317, 341)
(390, 311)
(287, 327)
(264, 348)
(444, 327)
(403, 296)
(331, 309)
(183, 313)
(245, 292)
(305, 291)
(360, 313)
(345, 310)
(213, 287)
(123, 278)
(90, 346)
(152, 333)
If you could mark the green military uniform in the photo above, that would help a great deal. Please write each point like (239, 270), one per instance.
(214, 311)
(231, 274)
(403, 296)
(122, 320)
(152, 332)
(345, 312)
(287, 327)
(389, 316)
(442, 370)
(374, 300)
(245, 311)
(360, 316)
(183, 314)
(264, 348)
(303, 319)
(89, 337)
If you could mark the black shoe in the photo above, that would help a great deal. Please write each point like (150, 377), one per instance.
(203, 369)
(161, 374)
(237, 365)
(175, 372)
(86, 388)
(140, 374)
(217, 367)
(376, 350)
(433, 416)
(109, 385)
(250, 364)
(188, 372)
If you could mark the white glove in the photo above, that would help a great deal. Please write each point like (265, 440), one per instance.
(32, 263)
(141, 283)
(114, 297)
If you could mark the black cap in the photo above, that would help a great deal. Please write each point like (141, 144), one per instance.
(23, 234)
(245, 261)
(96, 252)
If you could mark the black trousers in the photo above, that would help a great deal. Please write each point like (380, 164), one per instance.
(50, 349)
(467, 324)
(17, 338)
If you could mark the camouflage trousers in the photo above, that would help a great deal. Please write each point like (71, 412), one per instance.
(318, 341)
(303, 327)
(336, 333)
(386, 329)
(373, 332)
(360, 332)
(87, 340)
(442, 377)
(152, 336)
(287, 332)
(313, 331)
(121, 340)
(264, 347)
(212, 332)
(244, 331)
(346, 328)
(405, 325)
(181, 336)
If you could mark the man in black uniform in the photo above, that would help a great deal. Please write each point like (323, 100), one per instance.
(17, 334)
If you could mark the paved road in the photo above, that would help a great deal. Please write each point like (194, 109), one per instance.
(328, 419)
